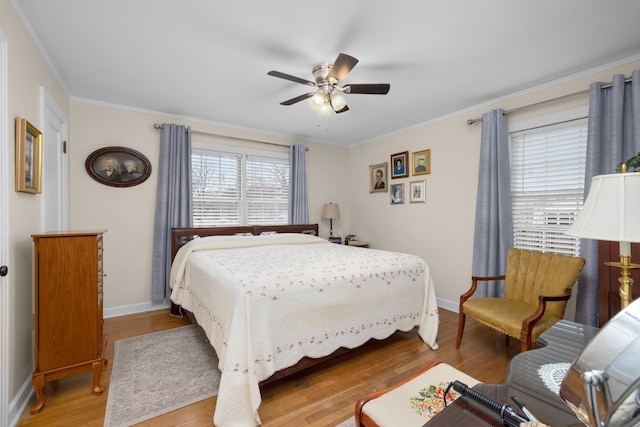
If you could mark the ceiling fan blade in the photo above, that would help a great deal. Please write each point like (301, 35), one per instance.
(341, 67)
(368, 88)
(297, 99)
(291, 78)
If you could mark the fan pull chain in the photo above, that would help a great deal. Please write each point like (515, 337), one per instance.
(326, 128)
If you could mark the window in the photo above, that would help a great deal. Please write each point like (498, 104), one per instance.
(234, 186)
(547, 185)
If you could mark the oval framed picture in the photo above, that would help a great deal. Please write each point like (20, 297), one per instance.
(118, 166)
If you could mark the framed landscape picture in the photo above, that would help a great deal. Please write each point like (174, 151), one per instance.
(28, 157)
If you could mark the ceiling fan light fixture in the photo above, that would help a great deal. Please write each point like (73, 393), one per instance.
(337, 101)
(318, 98)
(325, 109)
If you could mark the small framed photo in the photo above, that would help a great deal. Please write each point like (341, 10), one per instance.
(118, 166)
(378, 178)
(418, 191)
(421, 162)
(397, 194)
(28, 157)
(400, 165)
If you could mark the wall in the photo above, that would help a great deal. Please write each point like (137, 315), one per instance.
(128, 213)
(27, 72)
(441, 230)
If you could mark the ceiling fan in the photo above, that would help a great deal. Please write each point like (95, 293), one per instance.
(327, 97)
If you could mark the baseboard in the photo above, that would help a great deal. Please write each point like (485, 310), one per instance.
(123, 310)
(19, 403)
(448, 305)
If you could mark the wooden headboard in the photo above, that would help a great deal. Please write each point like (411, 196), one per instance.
(180, 236)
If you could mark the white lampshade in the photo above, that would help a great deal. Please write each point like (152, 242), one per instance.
(611, 210)
(330, 211)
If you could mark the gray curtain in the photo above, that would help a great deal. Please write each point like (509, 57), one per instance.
(493, 234)
(613, 137)
(298, 206)
(173, 201)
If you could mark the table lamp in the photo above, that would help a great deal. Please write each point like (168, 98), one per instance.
(612, 212)
(330, 211)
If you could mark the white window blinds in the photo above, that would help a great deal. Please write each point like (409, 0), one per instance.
(547, 185)
(216, 191)
(238, 188)
(267, 190)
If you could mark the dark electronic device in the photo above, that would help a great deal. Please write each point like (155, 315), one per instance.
(510, 417)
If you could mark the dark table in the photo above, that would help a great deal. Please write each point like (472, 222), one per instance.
(563, 343)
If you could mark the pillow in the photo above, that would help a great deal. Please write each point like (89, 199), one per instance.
(243, 234)
(268, 233)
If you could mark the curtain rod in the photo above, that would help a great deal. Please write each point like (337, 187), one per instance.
(159, 126)
(569, 95)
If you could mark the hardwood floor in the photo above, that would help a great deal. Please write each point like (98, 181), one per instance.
(320, 396)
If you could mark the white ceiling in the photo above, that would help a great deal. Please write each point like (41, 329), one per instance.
(208, 60)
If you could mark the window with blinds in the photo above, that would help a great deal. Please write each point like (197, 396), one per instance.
(238, 188)
(547, 185)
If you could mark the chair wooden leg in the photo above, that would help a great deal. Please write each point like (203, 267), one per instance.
(525, 340)
(461, 319)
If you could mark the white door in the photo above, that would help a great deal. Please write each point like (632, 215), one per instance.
(4, 231)
(55, 184)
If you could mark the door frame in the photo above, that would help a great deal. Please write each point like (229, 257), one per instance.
(55, 167)
(4, 230)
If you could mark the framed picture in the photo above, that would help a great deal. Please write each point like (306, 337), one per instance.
(418, 191)
(397, 194)
(28, 157)
(400, 165)
(378, 178)
(118, 166)
(421, 162)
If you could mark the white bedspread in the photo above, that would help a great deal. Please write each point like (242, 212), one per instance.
(265, 302)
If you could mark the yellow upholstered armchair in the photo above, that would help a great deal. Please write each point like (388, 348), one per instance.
(537, 286)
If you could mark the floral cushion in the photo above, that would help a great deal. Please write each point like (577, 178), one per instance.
(414, 403)
(431, 400)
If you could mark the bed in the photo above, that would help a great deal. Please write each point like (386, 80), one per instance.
(272, 297)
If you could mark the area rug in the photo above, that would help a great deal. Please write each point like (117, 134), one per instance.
(159, 372)
(351, 422)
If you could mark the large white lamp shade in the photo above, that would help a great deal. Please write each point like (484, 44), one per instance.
(611, 210)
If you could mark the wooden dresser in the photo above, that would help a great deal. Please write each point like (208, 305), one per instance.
(68, 292)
